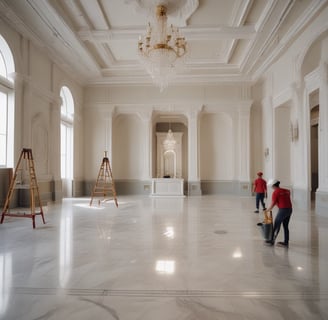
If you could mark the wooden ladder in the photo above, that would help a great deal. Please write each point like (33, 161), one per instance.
(26, 155)
(105, 186)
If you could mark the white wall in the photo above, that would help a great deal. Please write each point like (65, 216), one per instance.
(216, 147)
(282, 150)
(95, 139)
(301, 69)
(224, 110)
(98, 110)
(128, 147)
(37, 110)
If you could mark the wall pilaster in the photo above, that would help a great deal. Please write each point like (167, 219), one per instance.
(321, 197)
(267, 120)
(323, 129)
(146, 117)
(194, 187)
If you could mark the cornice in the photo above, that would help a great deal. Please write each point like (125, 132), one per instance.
(283, 97)
(312, 80)
(267, 38)
(180, 80)
(288, 38)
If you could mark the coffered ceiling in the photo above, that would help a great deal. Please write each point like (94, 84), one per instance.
(96, 40)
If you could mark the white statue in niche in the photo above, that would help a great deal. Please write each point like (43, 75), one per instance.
(169, 165)
(169, 144)
(170, 170)
(169, 154)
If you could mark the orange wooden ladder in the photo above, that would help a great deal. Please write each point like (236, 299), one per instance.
(26, 155)
(105, 186)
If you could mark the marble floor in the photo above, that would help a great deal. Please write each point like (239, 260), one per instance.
(161, 258)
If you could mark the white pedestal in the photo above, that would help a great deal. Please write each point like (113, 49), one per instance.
(167, 187)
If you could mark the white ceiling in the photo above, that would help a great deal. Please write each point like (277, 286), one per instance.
(96, 40)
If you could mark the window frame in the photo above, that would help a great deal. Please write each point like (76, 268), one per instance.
(7, 88)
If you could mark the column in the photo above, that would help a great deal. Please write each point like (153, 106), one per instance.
(26, 92)
(244, 147)
(302, 195)
(321, 198)
(107, 124)
(54, 156)
(297, 164)
(323, 128)
(146, 117)
(267, 125)
(79, 145)
(18, 118)
(194, 186)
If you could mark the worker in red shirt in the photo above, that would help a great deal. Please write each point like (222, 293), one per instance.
(281, 199)
(260, 188)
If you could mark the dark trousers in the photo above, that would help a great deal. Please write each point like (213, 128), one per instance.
(260, 197)
(283, 217)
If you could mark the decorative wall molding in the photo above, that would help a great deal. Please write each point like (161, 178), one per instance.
(283, 97)
(312, 80)
(35, 88)
(227, 105)
(40, 143)
(302, 21)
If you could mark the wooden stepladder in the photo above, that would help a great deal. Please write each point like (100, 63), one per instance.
(105, 186)
(35, 202)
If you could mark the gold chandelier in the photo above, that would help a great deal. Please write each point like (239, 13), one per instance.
(161, 49)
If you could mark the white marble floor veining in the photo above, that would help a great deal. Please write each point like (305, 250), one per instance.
(192, 258)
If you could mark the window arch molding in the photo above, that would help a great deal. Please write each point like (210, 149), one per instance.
(7, 64)
(7, 105)
(67, 105)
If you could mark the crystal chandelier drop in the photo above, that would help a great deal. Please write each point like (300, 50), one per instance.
(169, 143)
(162, 49)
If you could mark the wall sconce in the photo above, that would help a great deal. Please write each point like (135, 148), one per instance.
(266, 152)
(294, 131)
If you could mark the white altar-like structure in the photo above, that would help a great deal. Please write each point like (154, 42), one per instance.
(169, 165)
(167, 187)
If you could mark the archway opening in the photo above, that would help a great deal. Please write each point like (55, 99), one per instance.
(314, 134)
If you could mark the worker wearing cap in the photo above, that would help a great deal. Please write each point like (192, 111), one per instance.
(281, 199)
(260, 188)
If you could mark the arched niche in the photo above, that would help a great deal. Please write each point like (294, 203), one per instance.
(170, 161)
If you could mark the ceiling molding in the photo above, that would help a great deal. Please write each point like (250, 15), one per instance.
(286, 41)
(94, 43)
(191, 34)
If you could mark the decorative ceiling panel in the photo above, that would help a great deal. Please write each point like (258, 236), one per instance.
(228, 40)
(214, 13)
(123, 50)
(206, 50)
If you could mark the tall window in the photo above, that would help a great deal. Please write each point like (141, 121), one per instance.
(66, 133)
(6, 105)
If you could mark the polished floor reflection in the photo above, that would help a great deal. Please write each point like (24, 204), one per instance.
(161, 258)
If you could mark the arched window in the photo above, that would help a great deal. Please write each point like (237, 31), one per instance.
(67, 107)
(7, 69)
(66, 140)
